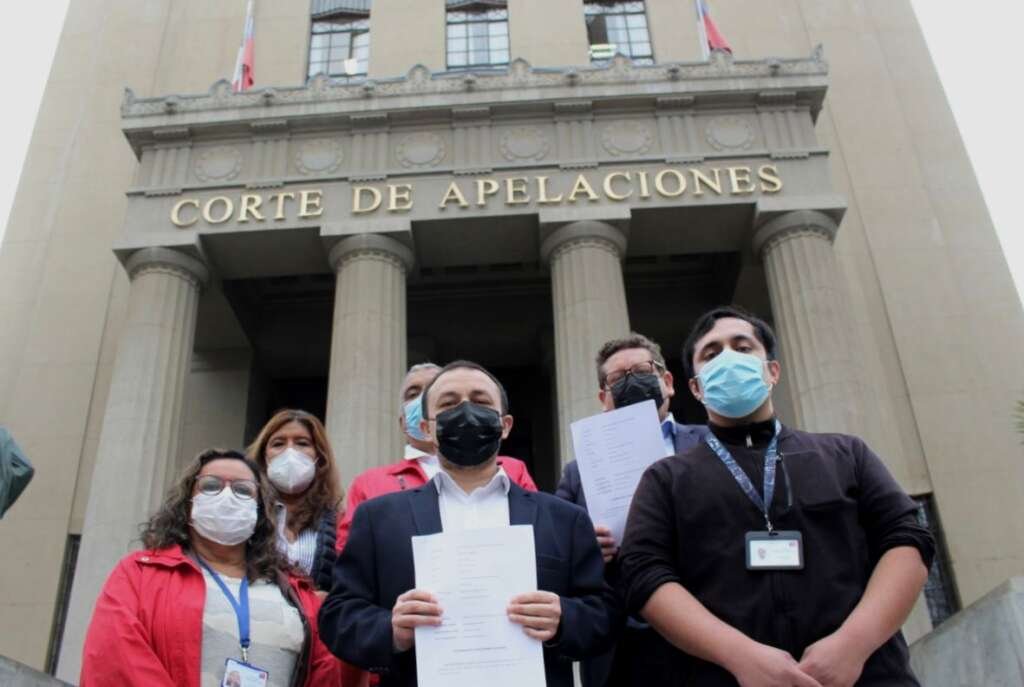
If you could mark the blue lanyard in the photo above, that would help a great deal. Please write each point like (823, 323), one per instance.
(241, 606)
(770, 461)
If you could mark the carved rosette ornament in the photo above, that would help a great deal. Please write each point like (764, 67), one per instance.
(729, 133)
(319, 156)
(423, 149)
(525, 143)
(627, 138)
(221, 163)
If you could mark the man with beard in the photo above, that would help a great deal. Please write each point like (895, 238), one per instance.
(373, 609)
(630, 370)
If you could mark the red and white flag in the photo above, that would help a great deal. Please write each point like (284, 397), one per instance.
(243, 76)
(710, 38)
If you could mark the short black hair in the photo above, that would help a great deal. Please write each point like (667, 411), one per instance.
(634, 340)
(706, 322)
(466, 365)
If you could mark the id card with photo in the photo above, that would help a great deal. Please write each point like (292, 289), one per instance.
(780, 550)
(238, 674)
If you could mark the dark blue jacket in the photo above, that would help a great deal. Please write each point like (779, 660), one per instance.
(642, 653)
(376, 566)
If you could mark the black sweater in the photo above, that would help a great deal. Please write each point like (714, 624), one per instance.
(689, 517)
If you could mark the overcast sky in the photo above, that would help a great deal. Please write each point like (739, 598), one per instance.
(976, 48)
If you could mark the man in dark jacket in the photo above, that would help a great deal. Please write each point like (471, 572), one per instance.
(15, 471)
(808, 591)
(369, 617)
(630, 370)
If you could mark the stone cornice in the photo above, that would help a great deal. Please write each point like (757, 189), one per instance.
(420, 94)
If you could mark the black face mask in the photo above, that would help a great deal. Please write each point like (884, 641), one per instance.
(636, 389)
(468, 434)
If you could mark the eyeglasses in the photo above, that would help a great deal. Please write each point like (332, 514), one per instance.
(645, 368)
(212, 484)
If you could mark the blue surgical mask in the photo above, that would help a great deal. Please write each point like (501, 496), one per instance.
(413, 410)
(733, 384)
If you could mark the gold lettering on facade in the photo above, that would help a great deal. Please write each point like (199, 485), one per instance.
(484, 189)
(176, 219)
(309, 204)
(399, 193)
(517, 191)
(229, 209)
(582, 186)
(739, 181)
(771, 182)
(700, 177)
(542, 192)
(280, 198)
(453, 194)
(680, 183)
(357, 199)
(250, 205)
(609, 190)
(645, 191)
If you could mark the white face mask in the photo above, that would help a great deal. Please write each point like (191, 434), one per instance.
(292, 471)
(225, 518)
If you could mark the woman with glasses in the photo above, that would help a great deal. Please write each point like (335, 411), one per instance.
(293, 451)
(209, 596)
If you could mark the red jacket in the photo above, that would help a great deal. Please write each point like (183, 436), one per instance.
(147, 626)
(408, 474)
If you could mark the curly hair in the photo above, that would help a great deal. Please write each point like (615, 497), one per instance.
(325, 492)
(169, 525)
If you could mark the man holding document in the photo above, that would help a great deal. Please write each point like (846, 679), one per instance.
(631, 371)
(494, 584)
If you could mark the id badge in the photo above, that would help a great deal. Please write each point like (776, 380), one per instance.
(238, 674)
(779, 550)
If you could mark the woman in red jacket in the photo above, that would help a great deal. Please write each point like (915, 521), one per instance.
(209, 598)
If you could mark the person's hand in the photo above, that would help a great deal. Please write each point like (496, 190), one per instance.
(833, 662)
(760, 665)
(538, 612)
(321, 594)
(415, 608)
(606, 541)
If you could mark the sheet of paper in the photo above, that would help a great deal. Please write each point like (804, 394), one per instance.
(612, 451)
(474, 574)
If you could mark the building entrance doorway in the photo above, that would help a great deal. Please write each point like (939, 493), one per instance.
(499, 316)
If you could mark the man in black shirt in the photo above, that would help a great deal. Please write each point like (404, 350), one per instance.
(809, 591)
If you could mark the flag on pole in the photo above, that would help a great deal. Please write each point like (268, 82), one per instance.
(710, 38)
(243, 76)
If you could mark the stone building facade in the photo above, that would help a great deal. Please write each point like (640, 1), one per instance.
(181, 260)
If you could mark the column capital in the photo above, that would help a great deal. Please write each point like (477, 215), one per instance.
(168, 260)
(587, 231)
(794, 223)
(374, 246)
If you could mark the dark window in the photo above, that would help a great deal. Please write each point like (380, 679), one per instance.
(618, 27)
(940, 589)
(477, 36)
(60, 613)
(340, 46)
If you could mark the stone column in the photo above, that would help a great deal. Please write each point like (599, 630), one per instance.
(368, 352)
(813, 320)
(589, 300)
(137, 457)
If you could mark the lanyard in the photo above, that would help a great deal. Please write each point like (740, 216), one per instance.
(241, 606)
(770, 461)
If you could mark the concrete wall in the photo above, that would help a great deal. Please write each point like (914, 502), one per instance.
(981, 645)
(934, 305)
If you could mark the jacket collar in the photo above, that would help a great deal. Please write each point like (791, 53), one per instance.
(426, 509)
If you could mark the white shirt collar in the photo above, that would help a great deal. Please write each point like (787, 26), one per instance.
(499, 484)
(412, 453)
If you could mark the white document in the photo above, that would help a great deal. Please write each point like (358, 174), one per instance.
(474, 574)
(612, 451)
